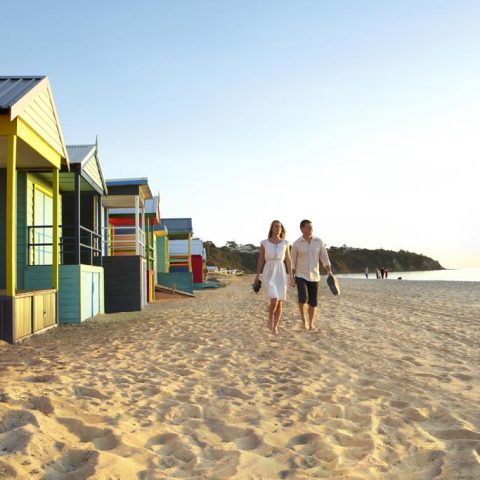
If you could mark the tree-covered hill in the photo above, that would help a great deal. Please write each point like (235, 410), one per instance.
(344, 259)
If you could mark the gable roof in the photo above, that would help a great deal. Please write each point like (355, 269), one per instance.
(31, 99)
(85, 158)
(12, 89)
(80, 153)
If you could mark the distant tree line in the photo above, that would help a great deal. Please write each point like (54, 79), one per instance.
(344, 259)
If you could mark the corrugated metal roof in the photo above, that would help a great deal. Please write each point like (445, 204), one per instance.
(78, 153)
(127, 181)
(177, 224)
(151, 208)
(13, 89)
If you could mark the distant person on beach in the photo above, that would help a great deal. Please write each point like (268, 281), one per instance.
(382, 272)
(386, 274)
(366, 272)
(307, 252)
(274, 259)
(378, 273)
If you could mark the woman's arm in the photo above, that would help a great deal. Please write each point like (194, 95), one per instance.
(260, 262)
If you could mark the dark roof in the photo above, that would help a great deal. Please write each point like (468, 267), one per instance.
(12, 89)
(177, 225)
(78, 153)
(127, 181)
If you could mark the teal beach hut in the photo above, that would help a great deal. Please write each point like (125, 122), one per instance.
(80, 292)
(179, 272)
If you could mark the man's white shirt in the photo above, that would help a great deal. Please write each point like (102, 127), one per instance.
(305, 257)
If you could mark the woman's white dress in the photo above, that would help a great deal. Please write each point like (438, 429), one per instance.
(275, 278)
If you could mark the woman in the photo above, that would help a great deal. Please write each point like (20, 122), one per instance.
(273, 253)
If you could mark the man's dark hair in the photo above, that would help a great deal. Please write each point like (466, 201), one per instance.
(303, 223)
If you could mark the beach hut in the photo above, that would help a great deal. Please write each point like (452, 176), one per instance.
(125, 249)
(179, 275)
(31, 144)
(119, 217)
(80, 293)
(179, 248)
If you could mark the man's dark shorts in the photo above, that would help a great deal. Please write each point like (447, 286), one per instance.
(307, 291)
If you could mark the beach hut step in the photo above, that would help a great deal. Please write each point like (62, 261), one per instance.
(162, 288)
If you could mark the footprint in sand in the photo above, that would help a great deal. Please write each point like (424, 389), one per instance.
(309, 451)
(173, 451)
(12, 419)
(42, 404)
(14, 441)
(102, 438)
(43, 379)
(183, 411)
(7, 471)
(458, 434)
(225, 391)
(89, 392)
(78, 464)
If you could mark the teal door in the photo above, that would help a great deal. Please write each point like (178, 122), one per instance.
(91, 294)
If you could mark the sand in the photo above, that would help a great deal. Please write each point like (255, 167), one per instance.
(386, 388)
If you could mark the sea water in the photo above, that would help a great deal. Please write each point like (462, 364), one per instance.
(452, 275)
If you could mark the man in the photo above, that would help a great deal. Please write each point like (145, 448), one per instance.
(307, 251)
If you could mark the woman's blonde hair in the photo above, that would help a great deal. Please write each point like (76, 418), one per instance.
(282, 233)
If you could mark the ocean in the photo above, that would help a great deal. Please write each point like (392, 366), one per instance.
(454, 275)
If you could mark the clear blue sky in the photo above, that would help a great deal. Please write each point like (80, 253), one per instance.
(360, 115)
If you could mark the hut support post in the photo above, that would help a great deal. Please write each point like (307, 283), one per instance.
(137, 236)
(56, 229)
(144, 232)
(98, 230)
(76, 228)
(11, 234)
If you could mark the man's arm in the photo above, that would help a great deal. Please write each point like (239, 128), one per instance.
(324, 258)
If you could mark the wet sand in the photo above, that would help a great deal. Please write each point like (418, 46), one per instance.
(386, 388)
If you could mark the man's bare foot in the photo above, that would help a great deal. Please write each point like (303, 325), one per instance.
(305, 326)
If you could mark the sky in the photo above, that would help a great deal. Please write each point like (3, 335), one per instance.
(361, 116)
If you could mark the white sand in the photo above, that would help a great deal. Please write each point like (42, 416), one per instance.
(386, 388)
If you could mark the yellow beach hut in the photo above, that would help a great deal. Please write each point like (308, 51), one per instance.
(31, 143)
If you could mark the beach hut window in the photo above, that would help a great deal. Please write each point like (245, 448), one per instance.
(42, 232)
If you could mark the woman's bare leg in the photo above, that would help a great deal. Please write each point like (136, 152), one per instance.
(271, 313)
(277, 315)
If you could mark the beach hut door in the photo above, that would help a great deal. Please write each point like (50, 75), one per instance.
(92, 294)
(95, 293)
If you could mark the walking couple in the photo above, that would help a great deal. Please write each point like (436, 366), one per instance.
(302, 270)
